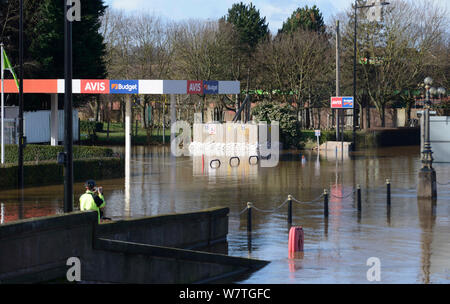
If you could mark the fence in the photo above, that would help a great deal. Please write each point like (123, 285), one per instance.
(10, 132)
(323, 198)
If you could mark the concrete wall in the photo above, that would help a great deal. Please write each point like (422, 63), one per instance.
(126, 262)
(36, 250)
(185, 230)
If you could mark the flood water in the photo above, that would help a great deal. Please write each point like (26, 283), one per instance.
(411, 239)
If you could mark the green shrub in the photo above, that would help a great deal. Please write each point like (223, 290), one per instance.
(285, 115)
(88, 127)
(45, 152)
(91, 128)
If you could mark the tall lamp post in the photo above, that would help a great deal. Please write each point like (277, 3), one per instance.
(427, 175)
(21, 136)
(355, 117)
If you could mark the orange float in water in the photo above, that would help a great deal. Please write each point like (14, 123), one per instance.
(295, 240)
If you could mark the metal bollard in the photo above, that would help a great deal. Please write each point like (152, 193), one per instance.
(249, 216)
(289, 209)
(325, 203)
(358, 196)
(388, 192)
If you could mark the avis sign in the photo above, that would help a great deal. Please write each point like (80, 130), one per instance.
(94, 86)
(195, 87)
(342, 102)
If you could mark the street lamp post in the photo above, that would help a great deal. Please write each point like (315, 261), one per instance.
(441, 92)
(427, 175)
(355, 117)
(21, 74)
(68, 118)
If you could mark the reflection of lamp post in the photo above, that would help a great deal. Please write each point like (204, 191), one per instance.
(427, 175)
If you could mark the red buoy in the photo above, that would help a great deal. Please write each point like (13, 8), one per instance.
(296, 240)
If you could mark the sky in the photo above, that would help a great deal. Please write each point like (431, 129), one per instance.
(275, 11)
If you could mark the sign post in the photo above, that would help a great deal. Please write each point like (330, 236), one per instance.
(317, 133)
(72, 11)
(342, 103)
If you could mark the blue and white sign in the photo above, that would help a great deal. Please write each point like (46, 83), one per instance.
(347, 102)
(210, 87)
(124, 87)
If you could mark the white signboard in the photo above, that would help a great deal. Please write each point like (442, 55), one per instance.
(212, 129)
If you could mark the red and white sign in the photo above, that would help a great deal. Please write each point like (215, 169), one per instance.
(336, 102)
(94, 86)
(195, 87)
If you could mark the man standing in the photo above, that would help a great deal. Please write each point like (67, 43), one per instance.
(93, 199)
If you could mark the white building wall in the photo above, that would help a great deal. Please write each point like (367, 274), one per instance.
(37, 126)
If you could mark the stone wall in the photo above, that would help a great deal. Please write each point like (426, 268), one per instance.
(132, 251)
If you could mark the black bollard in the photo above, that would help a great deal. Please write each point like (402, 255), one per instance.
(289, 209)
(249, 216)
(358, 195)
(325, 203)
(388, 192)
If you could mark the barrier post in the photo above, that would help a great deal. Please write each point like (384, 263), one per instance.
(388, 192)
(358, 192)
(249, 216)
(289, 209)
(325, 203)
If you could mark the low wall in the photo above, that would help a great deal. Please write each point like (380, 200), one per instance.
(133, 263)
(48, 173)
(373, 138)
(184, 230)
(36, 250)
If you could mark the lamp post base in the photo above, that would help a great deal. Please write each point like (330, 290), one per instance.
(426, 188)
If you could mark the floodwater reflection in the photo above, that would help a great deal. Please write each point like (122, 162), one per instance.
(410, 238)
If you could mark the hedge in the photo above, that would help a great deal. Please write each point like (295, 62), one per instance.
(39, 153)
(48, 173)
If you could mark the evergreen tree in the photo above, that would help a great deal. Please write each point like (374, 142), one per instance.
(249, 24)
(305, 18)
(44, 43)
(88, 46)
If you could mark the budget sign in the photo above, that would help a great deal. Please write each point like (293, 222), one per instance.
(94, 86)
(124, 87)
(194, 87)
(347, 102)
(211, 87)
